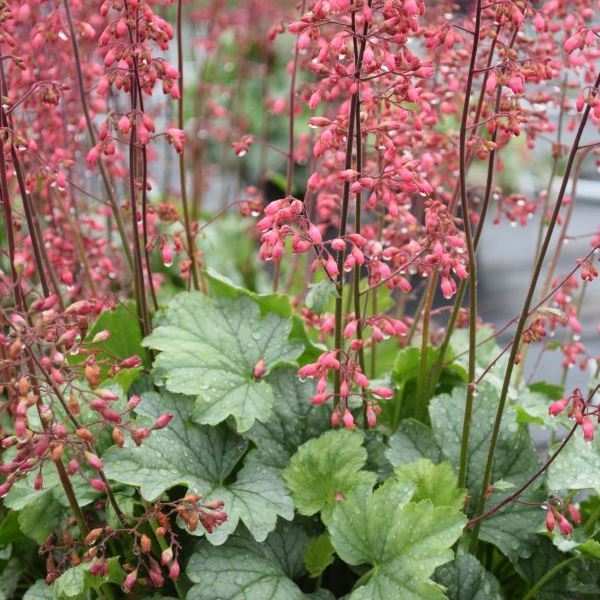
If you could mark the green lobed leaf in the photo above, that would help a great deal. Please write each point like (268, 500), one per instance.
(318, 555)
(210, 348)
(403, 541)
(436, 483)
(542, 559)
(280, 304)
(466, 579)
(410, 442)
(241, 569)
(125, 340)
(326, 469)
(590, 548)
(320, 295)
(203, 458)
(71, 584)
(39, 591)
(577, 467)
(294, 419)
(515, 460)
(10, 576)
(42, 512)
(407, 364)
(512, 529)
(515, 457)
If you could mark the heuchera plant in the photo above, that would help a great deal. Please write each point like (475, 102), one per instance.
(241, 355)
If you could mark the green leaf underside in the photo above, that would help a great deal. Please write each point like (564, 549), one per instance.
(209, 349)
(241, 569)
(203, 458)
(326, 469)
(403, 541)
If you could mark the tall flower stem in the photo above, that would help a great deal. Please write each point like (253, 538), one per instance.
(464, 203)
(138, 278)
(291, 139)
(191, 243)
(337, 381)
(92, 135)
(422, 309)
(523, 318)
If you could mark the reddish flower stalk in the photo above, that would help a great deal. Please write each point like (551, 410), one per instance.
(189, 233)
(524, 313)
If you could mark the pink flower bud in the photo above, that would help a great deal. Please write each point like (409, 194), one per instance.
(383, 392)
(4, 489)
(131, 362)
(348, 420)
(121, 27)
(350, 329)
(580, 101)
(93, 461)
(331, 267)
(92, 156)
(371, 417)
(314, 234)
(163, 420)
(565, 527)
(574, 513)
(588, 429)
(314, 100)
(557, 407)
(319, 399)
(550, 520)
(130, 581)
(42, 446)
(338, 244)
(362, 381)
(571, 43)
(174, 571)
(124, 125)
(491, 82)
(167, 556)
(108, 395)
(539, 23)
(98, 485)
(309, 370)
(101, 336)
(344, 389)
(72, 467)
(259, 369)
(133, 402)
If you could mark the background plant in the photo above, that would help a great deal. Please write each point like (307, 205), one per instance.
(241, 352)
